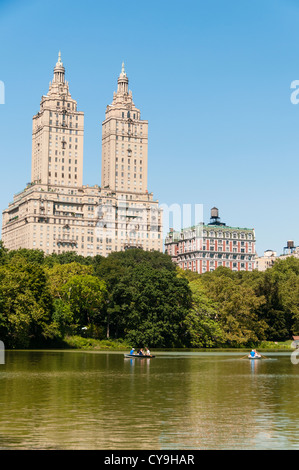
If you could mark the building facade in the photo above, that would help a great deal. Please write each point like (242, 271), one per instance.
(57, 136)
(56, 212)
(270, 257)
(204, 248)
(264, 262)
(124, 143)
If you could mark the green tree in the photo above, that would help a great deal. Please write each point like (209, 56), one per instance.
(237, 305)
(25, 303)
(116, 270)
(86, 295)
(285, 276)
(59, 274)
(3, 253)
(132, 258)
(63, 317)
(152, 306)
(32, 256)
(202, 325)
(67, 257)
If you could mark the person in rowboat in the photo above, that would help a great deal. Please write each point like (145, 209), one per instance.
(132, 351)
(254, 353)
(147, 352)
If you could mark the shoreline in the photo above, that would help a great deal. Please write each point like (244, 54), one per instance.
(77, 343)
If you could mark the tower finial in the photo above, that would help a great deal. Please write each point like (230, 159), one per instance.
(59, 62)
(122, 81)
(123, 73)
(59, 70)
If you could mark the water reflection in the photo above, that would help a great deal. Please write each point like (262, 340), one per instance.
(189, 400)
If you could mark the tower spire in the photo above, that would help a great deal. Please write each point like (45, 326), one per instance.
(59, 62)
(123, 73)
(59, 70)
(123, 81)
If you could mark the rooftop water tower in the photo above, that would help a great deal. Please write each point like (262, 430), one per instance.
(287, 250)
(215, 219)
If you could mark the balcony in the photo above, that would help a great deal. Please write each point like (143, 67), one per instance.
(67, 243)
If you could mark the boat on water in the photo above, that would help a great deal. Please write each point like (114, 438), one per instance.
(139, 356)
(254, 354)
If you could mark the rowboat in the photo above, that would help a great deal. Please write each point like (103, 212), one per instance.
(254, 357)
(137, 356)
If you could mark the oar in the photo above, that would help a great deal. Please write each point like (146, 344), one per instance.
(244, 356)
(263, 356)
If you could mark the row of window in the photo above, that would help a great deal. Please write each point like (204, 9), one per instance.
(235, 266)
(129, 162)
(57, 129)
(220, 234)
(129, 115)
(62, 174)
(205, 234)
(62, 138)
(57, 114)
(62, 161)
(128, 175)
(220, 249)
(127, 138)
(73, 107)
(57, 123)
(62, 168)
(129, 167)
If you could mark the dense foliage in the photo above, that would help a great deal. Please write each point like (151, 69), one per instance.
(143, 298)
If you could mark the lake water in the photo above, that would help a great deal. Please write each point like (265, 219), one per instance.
(175, 401)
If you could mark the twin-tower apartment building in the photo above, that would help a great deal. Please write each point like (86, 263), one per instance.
(56, 212)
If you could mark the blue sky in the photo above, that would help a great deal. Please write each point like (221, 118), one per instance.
(212, 78)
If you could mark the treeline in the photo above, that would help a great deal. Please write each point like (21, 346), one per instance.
(144, 299)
